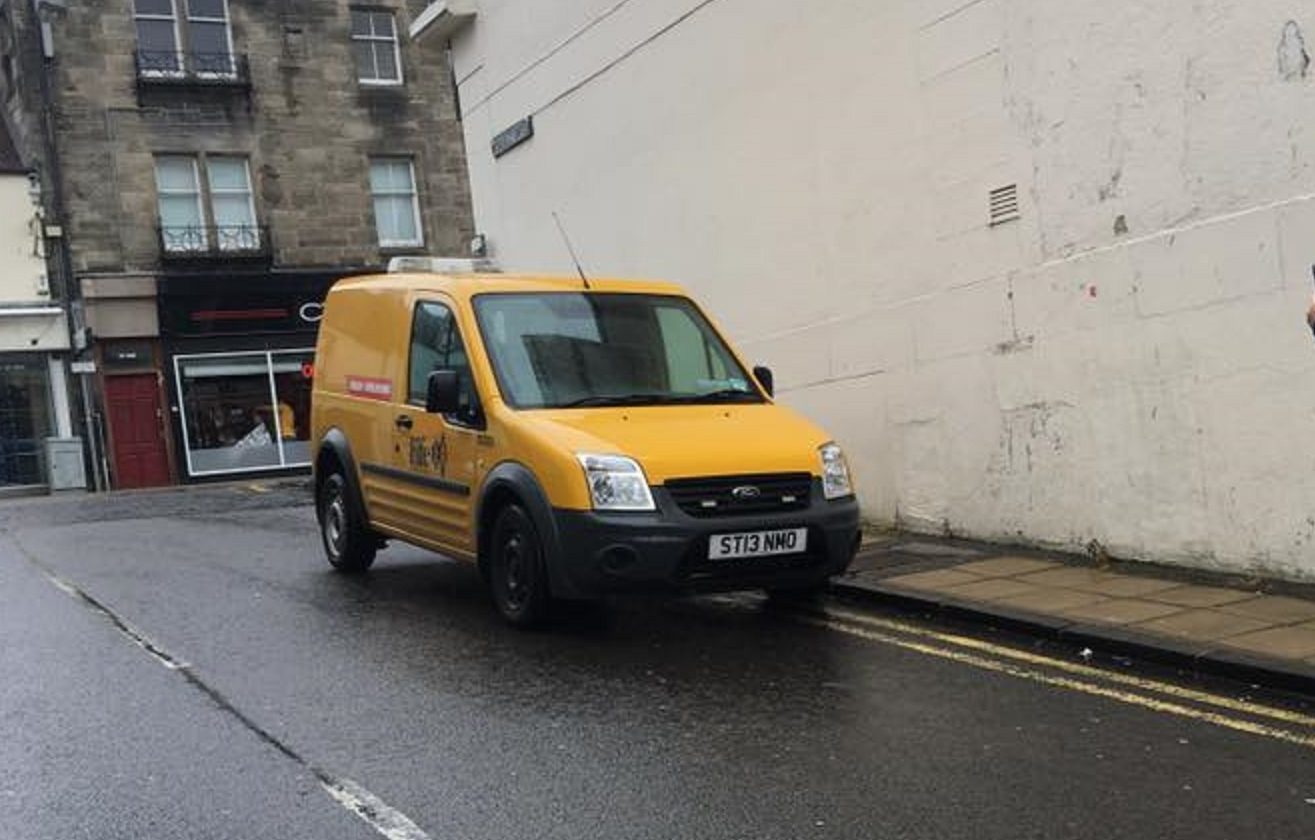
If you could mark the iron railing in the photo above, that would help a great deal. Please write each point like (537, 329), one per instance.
(169, 67)
(214, 242)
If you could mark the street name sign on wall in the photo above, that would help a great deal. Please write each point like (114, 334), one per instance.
(510, 138)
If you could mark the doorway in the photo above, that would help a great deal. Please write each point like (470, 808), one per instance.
(132, 403)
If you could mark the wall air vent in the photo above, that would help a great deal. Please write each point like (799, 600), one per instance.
(1004, 204)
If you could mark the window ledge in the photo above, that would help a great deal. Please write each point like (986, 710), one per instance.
(443, 18)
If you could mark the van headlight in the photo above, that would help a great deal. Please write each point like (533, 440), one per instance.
(835, 472)
(616, 482)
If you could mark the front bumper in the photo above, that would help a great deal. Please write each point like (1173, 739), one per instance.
(599, 553)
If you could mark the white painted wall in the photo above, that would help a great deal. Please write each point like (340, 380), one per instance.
(818, 174)
(21, 263)
(22, 276)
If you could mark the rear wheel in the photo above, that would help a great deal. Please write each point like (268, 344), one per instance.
(349, 544)
(518, 578)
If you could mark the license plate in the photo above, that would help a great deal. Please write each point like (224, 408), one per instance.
(758, 544)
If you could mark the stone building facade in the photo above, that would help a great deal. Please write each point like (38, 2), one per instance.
(220, 163)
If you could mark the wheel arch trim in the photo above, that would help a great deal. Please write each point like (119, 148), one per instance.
(520, 481)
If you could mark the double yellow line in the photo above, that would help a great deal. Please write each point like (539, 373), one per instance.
(1240, 715)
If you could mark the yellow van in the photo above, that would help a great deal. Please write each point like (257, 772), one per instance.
(574, 438)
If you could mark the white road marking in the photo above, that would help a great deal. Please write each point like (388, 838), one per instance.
(137, 637)
(382, 817)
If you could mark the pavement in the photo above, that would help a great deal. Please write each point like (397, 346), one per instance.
(185, 664)
(1248, 628)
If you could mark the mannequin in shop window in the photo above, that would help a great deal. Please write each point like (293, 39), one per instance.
(287, 421)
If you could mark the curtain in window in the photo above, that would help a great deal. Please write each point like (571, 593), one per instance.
(230, 204)
(392, 183)
(179, 188)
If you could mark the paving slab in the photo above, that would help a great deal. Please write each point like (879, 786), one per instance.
(1120, 611)
(1276, 609)
(1199, 596)
(1203, 625)
(1006, 566)
(1046, 600)
(1128, 586)
(935, 581)
(1168, 614)
(992, 589)
(1296, 642)
(1069, 577)
(1099, 582)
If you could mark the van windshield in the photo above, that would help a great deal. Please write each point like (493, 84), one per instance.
(568, 349)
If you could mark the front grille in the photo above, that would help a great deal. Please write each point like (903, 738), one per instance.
(741, 495)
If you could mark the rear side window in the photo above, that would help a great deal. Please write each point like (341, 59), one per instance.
(436, 345)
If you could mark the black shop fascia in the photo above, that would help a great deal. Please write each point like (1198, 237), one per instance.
(240, 362)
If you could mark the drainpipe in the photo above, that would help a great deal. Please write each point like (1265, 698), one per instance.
(62, 285)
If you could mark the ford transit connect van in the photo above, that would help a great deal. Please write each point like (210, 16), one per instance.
(573, 440)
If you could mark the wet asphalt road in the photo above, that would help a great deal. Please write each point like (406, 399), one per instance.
(704, 718)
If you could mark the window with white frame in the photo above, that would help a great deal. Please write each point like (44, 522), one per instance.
(374, 44)
(158, 48)
(184, 37)
(396, 205)
(208, 38)
(220, 217)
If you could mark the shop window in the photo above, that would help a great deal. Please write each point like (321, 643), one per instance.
(396, 208)
(24, 420)
(375, 47)
(246, 411)
(293, 377)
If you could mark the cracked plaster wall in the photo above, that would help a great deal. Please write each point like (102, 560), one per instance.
(1127, 362)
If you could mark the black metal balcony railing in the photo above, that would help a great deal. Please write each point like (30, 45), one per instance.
(168, 67)
(214, 242)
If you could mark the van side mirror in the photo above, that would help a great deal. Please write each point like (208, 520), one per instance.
(442, 394)
(765, 379)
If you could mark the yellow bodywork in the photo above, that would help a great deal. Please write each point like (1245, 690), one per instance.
(361, 383)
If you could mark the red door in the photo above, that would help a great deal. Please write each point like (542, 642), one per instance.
(133, 405)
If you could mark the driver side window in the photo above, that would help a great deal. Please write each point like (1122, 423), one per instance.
(436, 345)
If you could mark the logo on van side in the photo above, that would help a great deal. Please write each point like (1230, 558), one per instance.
(370, 388)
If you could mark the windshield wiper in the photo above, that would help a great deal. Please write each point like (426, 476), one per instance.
(616, 399)
(724, 395)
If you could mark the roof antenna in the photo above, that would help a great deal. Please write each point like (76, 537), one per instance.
(571, 250)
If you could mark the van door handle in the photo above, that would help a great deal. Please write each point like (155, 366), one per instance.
(403, 421)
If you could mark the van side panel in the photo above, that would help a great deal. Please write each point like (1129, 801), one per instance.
(360, 374)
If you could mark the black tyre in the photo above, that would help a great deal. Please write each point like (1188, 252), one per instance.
(349, 544)
(518, 577)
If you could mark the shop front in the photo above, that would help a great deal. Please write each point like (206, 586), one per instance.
(26, 420)
(34, 399)
(241, 356)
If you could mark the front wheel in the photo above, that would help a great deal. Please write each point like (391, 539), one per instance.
(518, 577)
(348, 544)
